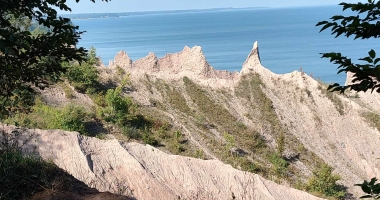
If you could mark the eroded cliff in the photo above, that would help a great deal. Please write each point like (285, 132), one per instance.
(243, 119)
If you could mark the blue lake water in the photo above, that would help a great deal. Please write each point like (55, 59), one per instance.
(288, 38)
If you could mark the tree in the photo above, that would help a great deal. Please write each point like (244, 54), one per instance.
(83, 76)
(364, 25)
(33, 60)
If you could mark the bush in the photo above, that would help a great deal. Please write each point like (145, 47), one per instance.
(175, 144)
(118, 109)
(84, 76)
(148, 138)
(72, 118)
(279, 165)
(323, 182)
(69, 118)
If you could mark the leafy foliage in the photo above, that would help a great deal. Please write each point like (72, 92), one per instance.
(279, 165)
(372, 189)
(84, 76)
(323, 181)
(72, 118)
(69, 118)
(364, 25)
(118, 109)
(28, 59)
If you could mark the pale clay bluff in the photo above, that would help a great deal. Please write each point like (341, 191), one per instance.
(342, 141)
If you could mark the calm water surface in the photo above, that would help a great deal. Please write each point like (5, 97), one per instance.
(288, 38)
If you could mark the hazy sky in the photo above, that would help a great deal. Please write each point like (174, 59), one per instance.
(86, 6)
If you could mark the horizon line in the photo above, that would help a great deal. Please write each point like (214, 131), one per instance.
(197, 9)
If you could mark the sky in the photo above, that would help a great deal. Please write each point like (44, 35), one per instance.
(86, 6)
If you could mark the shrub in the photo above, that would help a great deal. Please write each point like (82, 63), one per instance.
(323, 182)
(279, 165)
(131, 132)
(72, 118)
(230, 141)
(199, 153)
(69, 118)
(175, 144)
(84, 76)
(118, 109)
(148, 137)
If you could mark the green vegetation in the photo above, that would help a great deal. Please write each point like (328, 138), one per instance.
(199, 153)
(250, 90)
(69, 118)
(32, 60)
(118, 110)
(210, 114)
(363, 25)
(372, 118)
(338, 103)
(21, 176)
(230, 141)
(83, 76)
(279, 165)
(371, 188)
(324, 181)
(216, 115)
(175, 98)
(175, 145)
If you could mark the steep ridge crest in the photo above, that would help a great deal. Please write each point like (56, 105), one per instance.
(146, 172)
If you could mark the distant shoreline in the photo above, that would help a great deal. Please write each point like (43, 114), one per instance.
(126, 14)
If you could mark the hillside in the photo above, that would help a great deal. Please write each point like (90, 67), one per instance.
(257, 105)
(282, 127)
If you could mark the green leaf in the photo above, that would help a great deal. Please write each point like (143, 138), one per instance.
(321, 23)
(368, 59)
(366, 189)
(326, 26)
(372, 53)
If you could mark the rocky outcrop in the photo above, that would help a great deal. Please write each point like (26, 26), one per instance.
(325, 123)
(330, 125)
(146, 172)
(190, 62)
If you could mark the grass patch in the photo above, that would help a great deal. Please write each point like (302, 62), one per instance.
(333, 97)
(220, 118)
(279, 166)
(22, 176)
(69, 118)
(236, 134)
(250, 89)
(372, 119)
(174, 98)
